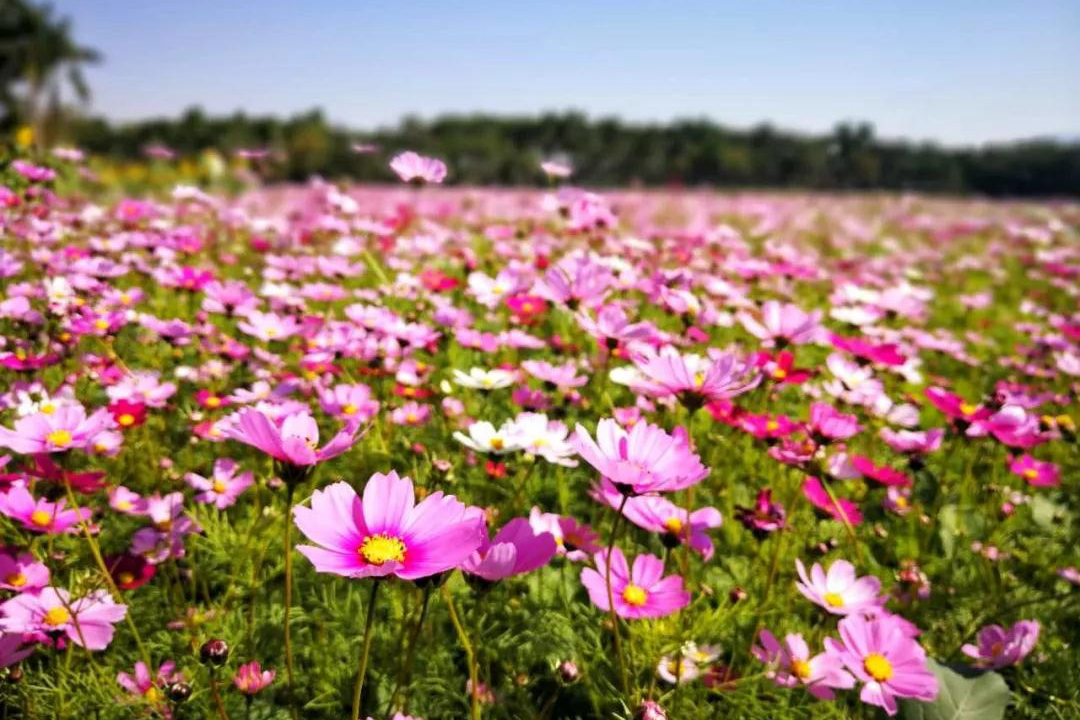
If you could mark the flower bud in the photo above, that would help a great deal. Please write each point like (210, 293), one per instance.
(214, 652)
(178, 692)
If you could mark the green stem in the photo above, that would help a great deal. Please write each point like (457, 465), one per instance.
(611, 598)
(358, 689)
(470, 656)
(410, 653)
(288, 600)
(105, 574)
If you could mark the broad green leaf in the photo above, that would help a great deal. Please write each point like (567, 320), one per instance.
(981, 697)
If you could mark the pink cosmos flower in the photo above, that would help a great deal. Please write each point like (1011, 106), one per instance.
(791, 665)
(385, 533)
(11, 649)
(879, 473)
(268, 326)
(1012, 425)
(291, 439)
(347, 402)
(840, 509)
(643, 458)
(1037, 472)
(766, 516)
(411, 413)
(515, 549)
(412, 167)
(223, 487)
(147, 686)
(890, 663)
(838, 590)
(576, 281)
(577, 541)
(562, 376)
(657, 514)
(955, 407)
(999, 646)
(21, 572)
(611, 327)
(886, 354)
(827, 423)
(251, 678)
(87, 622)
(67, 427)
(912, 441)
(40, 515)
(668, 372)
(640, 592)
(784, 323)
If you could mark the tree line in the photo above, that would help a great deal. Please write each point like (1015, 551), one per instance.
(499, 150)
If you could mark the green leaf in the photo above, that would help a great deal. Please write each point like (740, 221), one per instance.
(982, 697)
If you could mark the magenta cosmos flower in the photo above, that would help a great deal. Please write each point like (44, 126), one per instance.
(657, 514)
(641, 592)
(1037, 472)
(999, 646)
(838, 590)
(87, 622)
(40, 515)
(411, 167)
(791, 665)
(827, 423)
(145, 685)
(516, 549)
(882, 655)
(386, 533)
(67, 427)
(291, 439)
(251, 678)
(643, 459)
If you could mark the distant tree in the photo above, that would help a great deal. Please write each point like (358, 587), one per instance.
(39, 61)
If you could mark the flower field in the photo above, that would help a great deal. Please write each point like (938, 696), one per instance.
(320, 451)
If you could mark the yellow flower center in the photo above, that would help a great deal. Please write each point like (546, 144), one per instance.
(674, 525)
(901, 501)
(125, 578)
(634, 595)
(497, 443)
(780, 374)
(16, 579)
(772, 425)
(40, 518)
(800, 669)
(152, 695)
(699, 379)
(57, 616)
(877, 667)
(59, 438)
(379, 549)
(126, 299)
(219, 487)
(1031, 473)
(834, 600)
(48, 408)
(101, 324)
(967, 408)
(126, 420)
(271, 332)
(411, 418)
(124, 505)
(213, 401)
(349, 409)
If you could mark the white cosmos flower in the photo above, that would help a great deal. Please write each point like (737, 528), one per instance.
(482, 379)
(484, 438)
(536, 435)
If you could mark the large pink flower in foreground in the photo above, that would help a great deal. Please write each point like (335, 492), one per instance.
(881, 654)
(291, 439)
(640, 592)
(67, 427)
(643, 459)
(386, 533)
(87, 622)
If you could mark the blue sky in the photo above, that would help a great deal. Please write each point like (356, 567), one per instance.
(953, 71)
